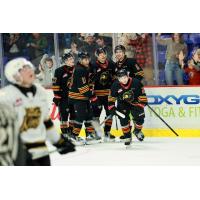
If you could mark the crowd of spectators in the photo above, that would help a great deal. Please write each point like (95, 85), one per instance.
(180, 67)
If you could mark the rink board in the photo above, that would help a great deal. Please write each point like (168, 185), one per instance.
(178, 106)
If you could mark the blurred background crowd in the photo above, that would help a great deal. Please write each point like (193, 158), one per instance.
(167, 58)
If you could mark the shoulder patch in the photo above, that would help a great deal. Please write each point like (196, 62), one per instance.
(137, 66)
(83, 80)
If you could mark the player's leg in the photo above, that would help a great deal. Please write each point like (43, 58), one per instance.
(64, 114)
(80, 109)
(126, 137)
(108, 122)
(139, 115)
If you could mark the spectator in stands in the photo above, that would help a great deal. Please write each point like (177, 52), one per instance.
(90, 46)
(47, 68)
(101, 44)
(79, 39)
(193, 73)
(175, 45)
(142, 44)
(36, 46)
(14, 45)
(124, 39)
(196, 59)
(74, 51)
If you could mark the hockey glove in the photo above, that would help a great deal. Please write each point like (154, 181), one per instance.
(94, 101)
(113, 111)
(56, 101)
(65, 146)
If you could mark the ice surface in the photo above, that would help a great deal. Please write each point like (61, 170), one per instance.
(152, 151)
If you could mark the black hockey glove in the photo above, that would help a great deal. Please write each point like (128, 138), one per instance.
(113, 111)
(56, 101)
(65, 146)
(94, 101)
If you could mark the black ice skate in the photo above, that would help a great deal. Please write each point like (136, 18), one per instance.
(128, 139)
(77, 140)
(139, 135)
(92, 138)
(122, 138)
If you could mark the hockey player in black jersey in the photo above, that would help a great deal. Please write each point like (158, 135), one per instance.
(103, 71)
(33, 124)
(82, 97)
(61, 83)
(131, 99)
(129, 64)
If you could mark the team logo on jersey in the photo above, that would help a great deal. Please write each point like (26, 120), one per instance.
(128, 95)
(104, 78)
(31, 119)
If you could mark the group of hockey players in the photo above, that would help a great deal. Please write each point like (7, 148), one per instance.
(81, 91)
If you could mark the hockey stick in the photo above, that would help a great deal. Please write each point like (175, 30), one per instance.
(38, 156)
(163, 120)
(116, 122)
(97, 127)
(109, 117)
(120, 114)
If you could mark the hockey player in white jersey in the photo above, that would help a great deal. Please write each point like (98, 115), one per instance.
(30, 103)
(9, 139)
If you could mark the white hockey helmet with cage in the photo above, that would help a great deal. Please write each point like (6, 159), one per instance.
(12, 69)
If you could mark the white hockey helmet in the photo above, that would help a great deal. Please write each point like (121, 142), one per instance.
(12, 68)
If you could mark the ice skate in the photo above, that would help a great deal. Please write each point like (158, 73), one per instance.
(77, 140)
(139, 135)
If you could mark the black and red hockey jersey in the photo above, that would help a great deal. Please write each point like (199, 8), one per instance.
(80, 88)
(131, 66)
(102, 76)
(132, 93)
(61, 81)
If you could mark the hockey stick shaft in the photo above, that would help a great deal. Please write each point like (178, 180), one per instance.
(42, 155)
(109, 117)
(116, 122)
(162, 120)
(120, 114)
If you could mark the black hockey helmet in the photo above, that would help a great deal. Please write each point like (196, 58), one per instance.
(66, 56)
(82, 55)
(121, 73)
(100, 50)
(120, 47)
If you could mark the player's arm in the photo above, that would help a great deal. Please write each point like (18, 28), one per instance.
(112, 99)
(140, 98)
(83, 85)
(162, 41)
(138, 71)
(56, 87)
(63, 144)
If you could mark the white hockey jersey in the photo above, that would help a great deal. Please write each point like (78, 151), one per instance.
(32, 112)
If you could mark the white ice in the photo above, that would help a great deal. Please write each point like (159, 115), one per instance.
(152, 151)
